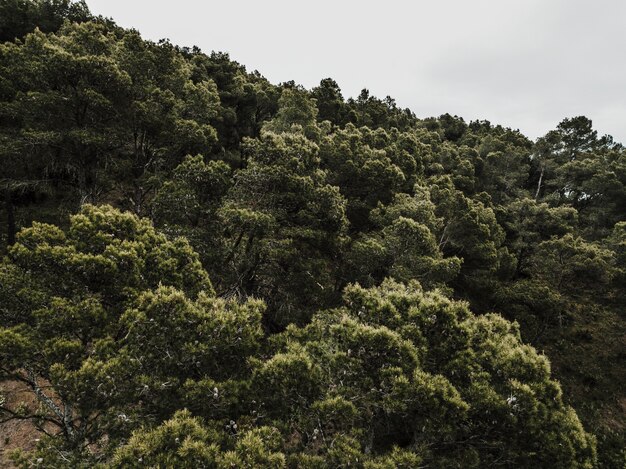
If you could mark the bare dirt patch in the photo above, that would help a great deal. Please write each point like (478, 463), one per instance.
(16, 434)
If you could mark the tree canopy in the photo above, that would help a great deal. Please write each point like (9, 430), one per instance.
(200, 268)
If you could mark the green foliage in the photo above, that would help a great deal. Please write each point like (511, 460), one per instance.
(403, 245)
(284, 226)
(106, 253)
(187, 204)
(346, 389)
(122, 318)
(425, 372)
(330, 102)
(123, 110)
(335, 233)
(20, 17)
(183, 442)
(365, 175)
(572, 265)
(295, 108)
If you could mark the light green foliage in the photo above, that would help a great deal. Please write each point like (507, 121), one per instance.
(183, 442)
(179, 339)
(395, 364)
(398, 364)
(120, 317)
(108, 254)
(178, 443)
(295, 111)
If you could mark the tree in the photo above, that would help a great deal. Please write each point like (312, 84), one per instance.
(402, 245)
(117, 318)
(124, 109)
(187, 204)
(184, 442)
(574, 144)
(453, 127)
(504, 166)
(574, 266)
(284, 227)
(295, 108)
(20, 17)
(293, 197)
(330, 102)
(367, 110)
(471, 232)
(396, 365)
(247, 100)
(527, 223)
(365, 175)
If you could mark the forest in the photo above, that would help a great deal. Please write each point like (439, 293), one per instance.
(200, 268)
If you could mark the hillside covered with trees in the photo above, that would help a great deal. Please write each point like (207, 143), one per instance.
(200, 268)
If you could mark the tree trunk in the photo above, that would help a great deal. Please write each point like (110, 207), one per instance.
(539, 183)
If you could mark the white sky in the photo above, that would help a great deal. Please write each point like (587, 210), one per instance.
(524, 64)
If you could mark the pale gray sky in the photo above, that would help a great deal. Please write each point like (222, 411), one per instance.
(524, 64)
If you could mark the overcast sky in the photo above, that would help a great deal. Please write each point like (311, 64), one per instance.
(524, 64)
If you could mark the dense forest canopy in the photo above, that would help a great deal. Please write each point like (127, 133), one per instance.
(201, 268)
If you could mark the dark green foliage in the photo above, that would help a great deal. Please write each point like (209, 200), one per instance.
(345, 241)
(247, 100)
(330, 102)
(20, 17)
(284, 226)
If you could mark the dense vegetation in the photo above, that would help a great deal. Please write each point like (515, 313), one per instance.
(204, 269)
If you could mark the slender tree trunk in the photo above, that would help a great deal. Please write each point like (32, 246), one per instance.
(539, 183)
(231, 254)
(138, 200)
